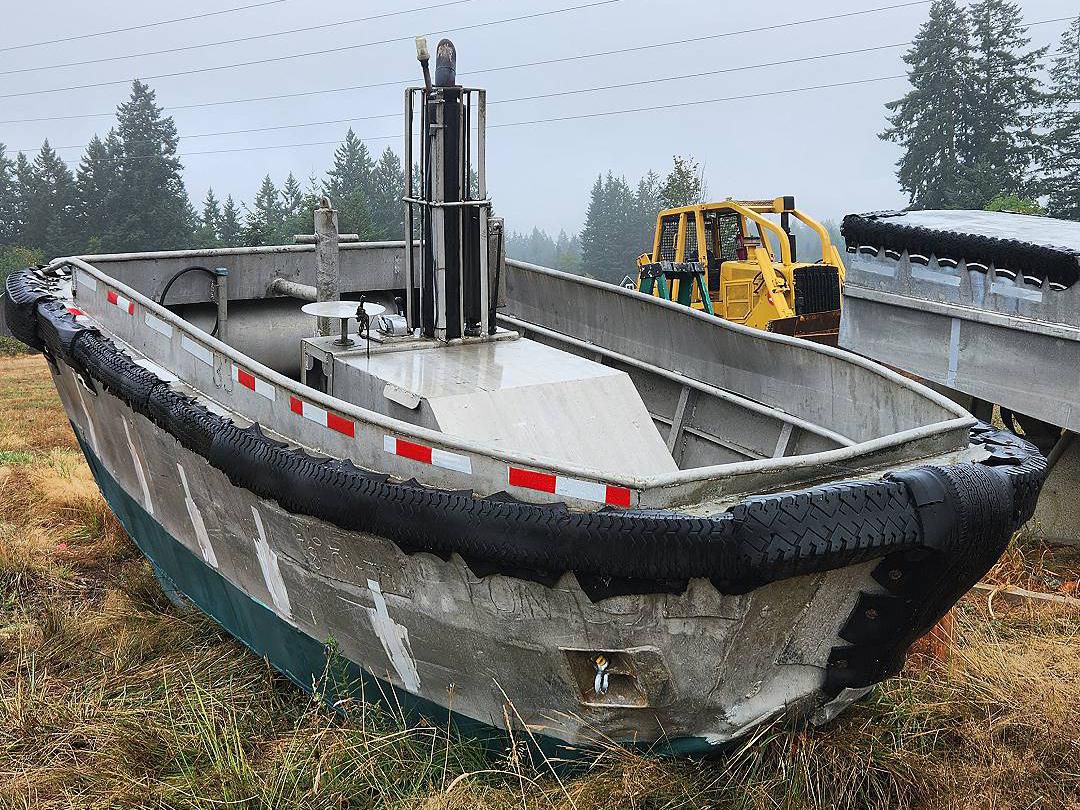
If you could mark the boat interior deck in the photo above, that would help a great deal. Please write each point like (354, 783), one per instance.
(580, 373)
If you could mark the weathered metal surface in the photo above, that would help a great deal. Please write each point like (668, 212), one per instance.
(989, 337)
(1000, 335)
(517, 395)
(699, 665)
(430, 626)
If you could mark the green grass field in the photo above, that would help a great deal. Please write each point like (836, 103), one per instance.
(112, 697)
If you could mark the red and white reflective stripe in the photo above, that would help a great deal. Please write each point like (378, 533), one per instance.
(253, 383)
(427, 455)
(569, 487)
(322, 417)
(118, 300)
(75, 311)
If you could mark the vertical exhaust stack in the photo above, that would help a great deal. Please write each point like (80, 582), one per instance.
(461, 245)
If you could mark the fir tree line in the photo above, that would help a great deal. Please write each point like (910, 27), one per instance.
(985, 124)
(128, 194)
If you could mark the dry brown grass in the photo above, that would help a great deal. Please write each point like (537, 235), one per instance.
(111, 697)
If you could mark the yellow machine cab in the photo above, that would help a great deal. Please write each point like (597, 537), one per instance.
(737, 259)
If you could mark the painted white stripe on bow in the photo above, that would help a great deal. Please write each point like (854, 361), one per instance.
(140, 473)
(394, 639)
(201, 535)
(268, 562)
(197, 350)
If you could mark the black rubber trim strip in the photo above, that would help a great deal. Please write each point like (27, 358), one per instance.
(885, 230)
(936, 530)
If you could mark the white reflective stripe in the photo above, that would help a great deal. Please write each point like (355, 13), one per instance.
(582, 490)
(451, 461)
(158, 325)
(87, 280)
(313, 412)
(389, 444)
(196, 350)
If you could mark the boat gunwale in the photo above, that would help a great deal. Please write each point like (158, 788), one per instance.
(696, 475)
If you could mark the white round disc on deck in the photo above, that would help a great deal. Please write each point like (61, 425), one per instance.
(341, 309)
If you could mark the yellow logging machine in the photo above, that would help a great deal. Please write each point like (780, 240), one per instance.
(737, 259)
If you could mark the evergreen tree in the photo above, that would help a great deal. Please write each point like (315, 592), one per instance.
(607, 247)
(9, 209)
(647, 204)
(25, 189)
(349, 187)
(300, 208)
(568, 253)
(96, 192)
(265, 217)
(1062, 166)
(387, 186)
(229, 232)
(932, 121)
(48, 190)
(684, 185)
(291, 196)
(210, 222)
(1004, 147)
(152, 209)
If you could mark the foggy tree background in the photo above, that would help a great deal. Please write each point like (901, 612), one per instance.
(989, 122)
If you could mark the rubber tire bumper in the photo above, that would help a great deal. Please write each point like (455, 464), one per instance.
(934, 529)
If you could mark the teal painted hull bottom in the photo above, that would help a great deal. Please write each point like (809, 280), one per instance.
(298, 656)
(301, 658)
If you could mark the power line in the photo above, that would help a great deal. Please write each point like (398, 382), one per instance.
(560, 93)
(537, 63)
(320, 52)
(141, 27)
(237, 40)
(542, 96)
(556, 119)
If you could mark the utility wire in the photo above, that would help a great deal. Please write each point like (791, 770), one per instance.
(541, 96)
(237, 40)
(520, 65)
(561, 93)
(556, 119)
(141, 27)
(320, 52)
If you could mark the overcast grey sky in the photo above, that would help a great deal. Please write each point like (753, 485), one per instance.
(820, 145)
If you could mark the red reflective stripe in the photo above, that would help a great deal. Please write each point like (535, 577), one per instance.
(617, 496)
(131, 307)
(417, 452)
(75, 311)
(245, 379)
(544, 482)
(113, 297)
(335, 422)
(296, 406)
